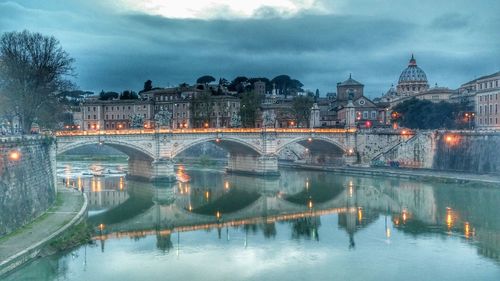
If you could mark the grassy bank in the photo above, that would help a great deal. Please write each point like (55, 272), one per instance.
(77, 235)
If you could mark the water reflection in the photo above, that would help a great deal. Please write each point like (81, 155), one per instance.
(302, 206)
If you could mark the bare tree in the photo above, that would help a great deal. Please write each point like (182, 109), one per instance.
(33, 71)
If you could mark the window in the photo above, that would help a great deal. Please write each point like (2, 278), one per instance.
(480, 98)
(365, 114)
(374, 114)
(480, 110)
(112, 116)
(129, 108)
(88, 117)
(94, 108)
(496, 108)
(107, 117)
(88, 108)
(123, 116)
(95, 117)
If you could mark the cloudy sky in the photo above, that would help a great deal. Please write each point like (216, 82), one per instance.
(119, 44)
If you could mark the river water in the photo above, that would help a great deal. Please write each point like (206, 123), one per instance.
(304, 225)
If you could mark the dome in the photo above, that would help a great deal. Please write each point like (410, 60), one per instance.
(412, 73)
(391, 92)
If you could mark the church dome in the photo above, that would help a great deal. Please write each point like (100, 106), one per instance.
(412, 73)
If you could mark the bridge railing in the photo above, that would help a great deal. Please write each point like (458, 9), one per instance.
(203, 131)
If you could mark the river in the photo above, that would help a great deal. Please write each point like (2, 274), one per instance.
(304, 225)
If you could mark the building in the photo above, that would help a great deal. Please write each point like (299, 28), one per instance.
(486, 99)
(115, 114)
(366, 112)
(259, 87)
(350, 89)
(412, 80)
(176, 101)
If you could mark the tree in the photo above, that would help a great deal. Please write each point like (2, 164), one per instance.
(424, 114)
(201, 109)
(206, 79)
(34, 69)
(108, 95)
(148, 86)
(238, 84)
(286, 85)
(128, 95)
(249, 106)
(301, 109)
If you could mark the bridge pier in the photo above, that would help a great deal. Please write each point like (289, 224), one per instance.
(253, 164)
(151, 170)
(163, 171)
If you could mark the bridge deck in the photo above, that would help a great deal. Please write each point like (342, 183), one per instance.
(204, 131)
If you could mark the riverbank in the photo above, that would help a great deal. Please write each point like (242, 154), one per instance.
(413, 174)
(24, 244)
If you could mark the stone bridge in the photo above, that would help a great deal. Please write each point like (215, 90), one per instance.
(253, 151)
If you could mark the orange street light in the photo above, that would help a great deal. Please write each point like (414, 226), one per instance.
(14, 155)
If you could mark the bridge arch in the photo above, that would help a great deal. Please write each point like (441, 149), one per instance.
(128, 148)
(315, 143)
(230, 144)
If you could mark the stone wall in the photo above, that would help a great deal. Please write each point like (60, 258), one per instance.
(27, 184)
(474, 152)
(477, 152)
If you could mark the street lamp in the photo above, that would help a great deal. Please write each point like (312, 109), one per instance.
(14, 155)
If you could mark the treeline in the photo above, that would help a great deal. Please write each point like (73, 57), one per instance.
(424, 114)
(283, 84)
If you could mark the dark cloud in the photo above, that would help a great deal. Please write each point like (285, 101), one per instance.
(117, 51)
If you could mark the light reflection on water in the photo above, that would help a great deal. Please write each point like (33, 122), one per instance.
(304, 225)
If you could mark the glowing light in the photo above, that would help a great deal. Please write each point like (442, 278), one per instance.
(310, 204)
(360, 214)
(217, 140)
(449, 217)
(451, 140)
(207, 194)
(102, 227)
(120, 126)
(14, 155)
(226, 185)
(309, 139)
(307, 184)
(218, 215)
(405, 215)
(467, 230)
(350, 151)
(190, 207)
(121, 183)
(388, 233)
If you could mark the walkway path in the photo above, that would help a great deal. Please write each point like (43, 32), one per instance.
(32, 237)
(406, 173)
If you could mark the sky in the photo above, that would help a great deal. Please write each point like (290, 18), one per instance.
(117, 45)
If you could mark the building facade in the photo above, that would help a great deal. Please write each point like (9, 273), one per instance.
(487, 100)
(115, 114)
